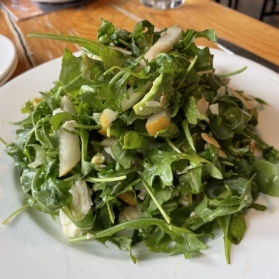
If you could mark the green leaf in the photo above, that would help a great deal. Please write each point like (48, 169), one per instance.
(123, 156)
(143, 37)
(105, 31)
(111, 58)
(234, 227)
(91, 45)
(267, 177)
(71, 77)
(192, 113)
(59, 118)
(236, 198)
(161, 86)
(190, 245)
(162, 165)
(48, 193)
(193, 178)
(133, 140)
(205, 60)
(160, 239)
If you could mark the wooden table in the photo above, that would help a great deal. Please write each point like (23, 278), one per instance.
(244, 31)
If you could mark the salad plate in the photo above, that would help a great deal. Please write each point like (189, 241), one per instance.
(34, 245)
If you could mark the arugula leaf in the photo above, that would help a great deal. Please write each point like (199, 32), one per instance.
(192, 113)
(161, 162)
(234, 227)
(186, 242)
(132, 140)
(236, 197)
(267, 177)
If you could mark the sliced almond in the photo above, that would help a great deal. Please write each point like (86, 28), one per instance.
(202, 105)
(209, 139)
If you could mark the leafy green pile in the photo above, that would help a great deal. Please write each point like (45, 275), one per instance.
(170, 188)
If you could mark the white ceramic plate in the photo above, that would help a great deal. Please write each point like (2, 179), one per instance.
(8, 58)
(33, 246)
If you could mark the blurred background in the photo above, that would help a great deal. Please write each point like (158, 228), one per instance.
(254, 8)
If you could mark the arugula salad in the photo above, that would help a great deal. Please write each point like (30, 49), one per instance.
(139, 141)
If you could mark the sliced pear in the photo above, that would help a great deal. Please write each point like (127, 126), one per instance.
(157, 122)
(69, 152)
(165, 43)
(106, 118)
(128, 197)
(134, 97)
(67, 105)
(69, 146)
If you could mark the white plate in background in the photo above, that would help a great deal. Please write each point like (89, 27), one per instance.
(8, 58)
(33, 245)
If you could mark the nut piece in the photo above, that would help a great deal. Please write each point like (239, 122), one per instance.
(210, 139)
